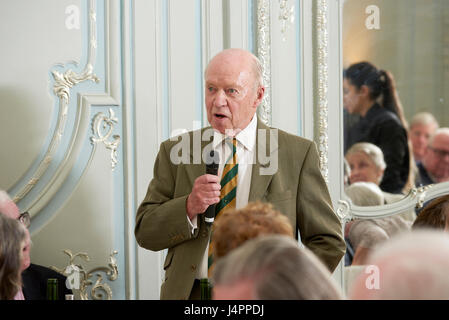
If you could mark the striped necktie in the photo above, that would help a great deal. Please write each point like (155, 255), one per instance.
(228, 191)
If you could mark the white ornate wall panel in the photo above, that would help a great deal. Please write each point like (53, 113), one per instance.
(73, 186)
(285, 58)
(82, 136)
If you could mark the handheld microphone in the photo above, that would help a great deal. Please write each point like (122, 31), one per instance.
(211, 168)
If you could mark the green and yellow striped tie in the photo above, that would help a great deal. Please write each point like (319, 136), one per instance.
(228, 191)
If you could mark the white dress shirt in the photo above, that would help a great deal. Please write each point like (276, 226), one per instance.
(246, 144)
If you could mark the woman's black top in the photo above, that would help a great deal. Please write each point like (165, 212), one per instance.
(384, 129)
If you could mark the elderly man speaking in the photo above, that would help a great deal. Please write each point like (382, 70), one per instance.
(256, 163)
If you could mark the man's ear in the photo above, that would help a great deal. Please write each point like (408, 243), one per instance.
(260, 94)
(380, 174)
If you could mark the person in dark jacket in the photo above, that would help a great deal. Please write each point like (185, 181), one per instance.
(434, 167)
(34, 277)
(371, 94)
(34, 281)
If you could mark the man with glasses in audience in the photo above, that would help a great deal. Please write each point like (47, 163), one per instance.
(434, 167)
(34, 277)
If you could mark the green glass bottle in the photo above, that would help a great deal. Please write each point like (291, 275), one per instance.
(52, 289)
(206, 289)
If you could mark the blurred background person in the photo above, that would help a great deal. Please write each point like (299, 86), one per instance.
(411, 266)
(435, 215)
(367, 164)
(365, 234)
(371, 93)
(12, 243)
(34, 277)
(234, 227)
(273, 267)
(434, 166)
(422, 127)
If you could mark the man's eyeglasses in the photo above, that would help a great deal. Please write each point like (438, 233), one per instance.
(25, 219)
(440, 153)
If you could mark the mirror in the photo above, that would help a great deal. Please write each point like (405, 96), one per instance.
(408, 39)
(35, 41)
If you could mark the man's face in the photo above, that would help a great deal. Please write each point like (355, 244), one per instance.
(363, 168)
(436, 158)
(419, 136)
(232, 95)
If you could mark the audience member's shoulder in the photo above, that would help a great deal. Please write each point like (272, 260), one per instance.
(292, 139)
(188, 137)
(44, 271)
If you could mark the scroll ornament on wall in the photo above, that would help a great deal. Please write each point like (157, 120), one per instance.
(102, 127)
(80, 279)
(63, 84)
(286, 16)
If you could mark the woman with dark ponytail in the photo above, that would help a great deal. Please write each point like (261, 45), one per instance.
(371, 93)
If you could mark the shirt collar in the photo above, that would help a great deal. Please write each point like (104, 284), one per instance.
(247, 137)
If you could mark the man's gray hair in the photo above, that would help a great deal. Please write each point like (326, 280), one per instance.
(424, 118)
(439, 131)
(278, 268)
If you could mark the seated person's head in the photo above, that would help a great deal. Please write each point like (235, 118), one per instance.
(411, 266)
(435, 215)
(366, 162)
(272, 267)
(12, 242)
(422, 127)
(365, 194)
(436, 157)
(234, 227)
(9, 209)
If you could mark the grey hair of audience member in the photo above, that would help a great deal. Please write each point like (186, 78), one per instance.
(411, 266)
(424, 118)
(365, 194)
(278, 269)
(372, 151)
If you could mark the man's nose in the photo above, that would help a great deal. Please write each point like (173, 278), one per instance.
(220, 99)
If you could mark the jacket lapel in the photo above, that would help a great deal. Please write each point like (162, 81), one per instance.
(260, 183)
